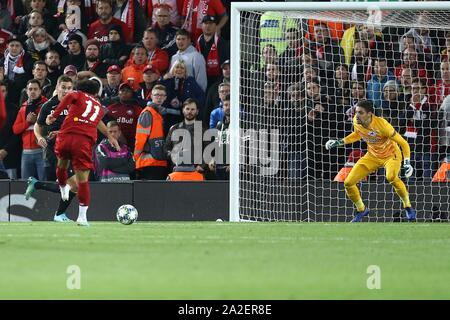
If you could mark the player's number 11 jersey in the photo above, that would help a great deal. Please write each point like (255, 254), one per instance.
(85, 112)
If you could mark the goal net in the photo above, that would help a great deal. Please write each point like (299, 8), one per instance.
(298, 71)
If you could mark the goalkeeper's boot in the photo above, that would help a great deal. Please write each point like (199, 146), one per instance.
(30, 187)
(358, 217)
(410, 213)
(61, 218)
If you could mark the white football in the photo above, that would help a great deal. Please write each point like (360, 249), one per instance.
(127, 214)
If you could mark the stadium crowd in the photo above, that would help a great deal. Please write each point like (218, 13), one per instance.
(160, 64)
(309, 83)
(165, 65)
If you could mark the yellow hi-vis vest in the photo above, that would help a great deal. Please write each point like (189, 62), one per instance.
(273, 27)
(149, 145)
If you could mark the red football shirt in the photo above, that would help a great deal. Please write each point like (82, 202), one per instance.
(85, 112)
(100, 31)
(127, 117)
(201, 8)
(439, 92)
(5, 35)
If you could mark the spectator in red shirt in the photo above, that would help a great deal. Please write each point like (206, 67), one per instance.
(194, 11)
(157, 57)
(99, 29)
(10, 144)
(5, 35)
(126, 112)
(442, 87)
(214, 49)
(134, 17)
(32, 156)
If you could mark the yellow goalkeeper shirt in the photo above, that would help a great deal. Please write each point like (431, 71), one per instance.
(381, 138)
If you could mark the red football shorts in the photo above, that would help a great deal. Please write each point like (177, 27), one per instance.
(77, 149)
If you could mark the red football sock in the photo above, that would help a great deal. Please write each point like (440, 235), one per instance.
(84, 193)
(62, 176)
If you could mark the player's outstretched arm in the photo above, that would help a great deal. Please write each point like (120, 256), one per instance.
(352, 137)
(334, 143)
(406, 151)
(63, 104)
(38, 133)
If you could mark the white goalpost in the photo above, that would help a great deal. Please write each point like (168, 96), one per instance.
(298, 69)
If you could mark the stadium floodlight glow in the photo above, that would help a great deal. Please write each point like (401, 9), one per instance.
(275, 176)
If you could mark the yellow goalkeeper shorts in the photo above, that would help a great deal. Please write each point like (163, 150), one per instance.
(372, 163)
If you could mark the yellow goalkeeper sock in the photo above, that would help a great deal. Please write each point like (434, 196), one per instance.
(360, 205)
(354, 195)
(400, 189)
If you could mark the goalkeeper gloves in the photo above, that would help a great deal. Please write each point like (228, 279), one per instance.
(408, 168)
(333, 143)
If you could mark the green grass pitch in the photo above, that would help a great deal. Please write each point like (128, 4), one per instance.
(209, 260)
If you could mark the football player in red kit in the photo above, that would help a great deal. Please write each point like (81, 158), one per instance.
(76, 139)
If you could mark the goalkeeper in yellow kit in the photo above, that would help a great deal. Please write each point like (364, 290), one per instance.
(383, 151)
